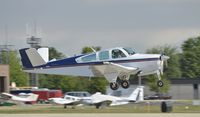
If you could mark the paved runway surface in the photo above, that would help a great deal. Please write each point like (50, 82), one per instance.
(105, 115)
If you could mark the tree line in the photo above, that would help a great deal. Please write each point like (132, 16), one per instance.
(184, 63)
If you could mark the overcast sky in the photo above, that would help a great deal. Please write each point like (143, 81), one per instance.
(69, 25)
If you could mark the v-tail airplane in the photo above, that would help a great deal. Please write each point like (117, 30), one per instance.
(115, 64)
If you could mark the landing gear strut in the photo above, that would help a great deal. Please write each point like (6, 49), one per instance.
(114, 85)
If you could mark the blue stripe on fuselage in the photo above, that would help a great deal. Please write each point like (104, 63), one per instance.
(71, 62)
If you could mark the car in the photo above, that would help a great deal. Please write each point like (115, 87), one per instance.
(157, 96)
(78, 93)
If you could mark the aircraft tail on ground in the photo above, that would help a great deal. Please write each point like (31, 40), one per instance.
(137, 94)
(31, 57)
(32, 97)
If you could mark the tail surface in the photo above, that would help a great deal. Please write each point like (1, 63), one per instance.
(137, 94)
(31, 57)
(32, 97)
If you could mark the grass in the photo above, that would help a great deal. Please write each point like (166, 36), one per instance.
(130, 108)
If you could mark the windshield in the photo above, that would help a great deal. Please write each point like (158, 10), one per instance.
(129, 51)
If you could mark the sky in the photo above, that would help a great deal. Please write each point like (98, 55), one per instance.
(69, 25)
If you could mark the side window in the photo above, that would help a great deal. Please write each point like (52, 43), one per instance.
(88, 58)
(103, 55)
(116, 53)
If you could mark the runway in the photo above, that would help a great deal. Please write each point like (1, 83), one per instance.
(105, 115)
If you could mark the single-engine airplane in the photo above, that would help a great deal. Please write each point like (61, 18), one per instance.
(115, 64)
(22, 98)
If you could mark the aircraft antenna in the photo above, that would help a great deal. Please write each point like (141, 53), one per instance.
(93, 49)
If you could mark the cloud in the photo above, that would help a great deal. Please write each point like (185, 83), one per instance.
(69, 25)
(71, 42)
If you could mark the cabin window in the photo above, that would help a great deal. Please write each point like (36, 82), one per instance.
(103, 55)
(129, 51)
(89, 58)
(116, 53)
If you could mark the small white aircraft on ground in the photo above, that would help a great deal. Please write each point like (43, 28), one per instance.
(115, 64)
(100, 100)
(66, 101)
(25, 98)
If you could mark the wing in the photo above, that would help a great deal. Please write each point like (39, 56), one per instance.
(6, 96)
(103, 104)
(63, 101)
(112, 70)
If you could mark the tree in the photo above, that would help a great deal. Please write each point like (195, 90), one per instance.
(88, 49)
(97, 84)
(190, 62)
(16, 73)
(172, 66)
(65, 83)
(72, 83)
(172, 70)
(52, 81)
(152, 80)
(53, 53)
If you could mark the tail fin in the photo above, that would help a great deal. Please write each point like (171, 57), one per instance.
(137, 94)
(32, 97)
(31, 57)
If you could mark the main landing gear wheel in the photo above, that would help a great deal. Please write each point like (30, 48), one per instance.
(160, 83)
(125, 84)
(114, 86)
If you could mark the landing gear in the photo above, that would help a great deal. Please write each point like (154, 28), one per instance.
(65, 106)
(125, 84)
(114, 85)
(160, 83)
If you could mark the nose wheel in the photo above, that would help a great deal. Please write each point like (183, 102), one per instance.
(160, 83)
(114, 85)
(125, 84)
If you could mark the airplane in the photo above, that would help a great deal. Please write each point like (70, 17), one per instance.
(100, 100)
(66, 101)
(25, 98)
(115, 64)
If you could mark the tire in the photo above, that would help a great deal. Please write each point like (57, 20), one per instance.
(125, 84)
(160, 83)
(114, 86)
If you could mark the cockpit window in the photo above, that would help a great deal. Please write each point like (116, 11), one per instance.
(89, 58)
(129, 51)
(116, 53)
(103, 55)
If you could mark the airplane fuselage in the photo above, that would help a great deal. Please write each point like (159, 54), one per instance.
(113, 64)
(147, 64)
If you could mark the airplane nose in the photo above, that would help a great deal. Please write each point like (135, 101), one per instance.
(164, 57)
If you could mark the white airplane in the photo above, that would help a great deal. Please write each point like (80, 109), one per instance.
(115, 64)
(66, 101)
(100, 100)
(25, 98)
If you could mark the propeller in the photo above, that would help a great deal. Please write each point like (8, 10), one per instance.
(163, 60)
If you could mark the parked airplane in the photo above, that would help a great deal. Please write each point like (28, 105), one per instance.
(100, 100)
(66, 101)
(25, 98)
(116, 64)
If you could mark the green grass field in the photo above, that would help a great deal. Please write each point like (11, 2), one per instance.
(130, 108)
